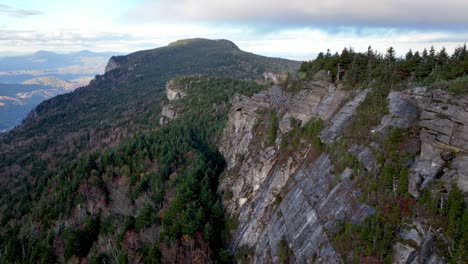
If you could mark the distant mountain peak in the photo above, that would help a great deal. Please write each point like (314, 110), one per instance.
(202, 41)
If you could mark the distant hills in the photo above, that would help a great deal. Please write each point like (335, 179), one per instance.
(69, 66)
(27, 80)
(55, 82)
(17, 100)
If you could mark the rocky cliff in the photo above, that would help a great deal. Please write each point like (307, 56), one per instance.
(298, 196)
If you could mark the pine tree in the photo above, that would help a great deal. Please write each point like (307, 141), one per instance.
(390, 55)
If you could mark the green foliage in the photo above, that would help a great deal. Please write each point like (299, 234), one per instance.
(78, 242)
(284, 251)
(244, 254)
(272, 129)
(185, 147)
(357, 69)
(302, 135)
(119, 105)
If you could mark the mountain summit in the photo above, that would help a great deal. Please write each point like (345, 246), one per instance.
(126, 99)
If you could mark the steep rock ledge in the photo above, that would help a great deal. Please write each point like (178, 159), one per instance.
(297, 197)
(443, 120)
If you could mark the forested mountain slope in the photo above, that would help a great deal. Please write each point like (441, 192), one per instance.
(354, 158)
(124, 101)
(66, 194)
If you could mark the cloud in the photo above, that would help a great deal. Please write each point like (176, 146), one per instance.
(425, 14)
(15, 12)
(69, 40)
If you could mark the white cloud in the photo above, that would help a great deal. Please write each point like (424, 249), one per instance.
(16, 12)
(298, 44)
(283, 13)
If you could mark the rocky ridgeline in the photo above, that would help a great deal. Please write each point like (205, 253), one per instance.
(173, 92)
(300, 197)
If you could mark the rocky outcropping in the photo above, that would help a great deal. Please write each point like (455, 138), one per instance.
(443, 120)
(297, 197)
(402, 114)
(343, 118)
(274, 77)
(416, 245)
(175, 91)
(112, 64)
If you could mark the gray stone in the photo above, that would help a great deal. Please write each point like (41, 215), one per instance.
(175, 92)
(343, 118)
(285, 125)
(402, 114)
(112, 64)
(365, 156)
(444, 135)
(168, 112)
(416, 244)
(460, 164)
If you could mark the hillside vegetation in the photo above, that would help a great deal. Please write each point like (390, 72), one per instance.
(94, 165)
(95, 176)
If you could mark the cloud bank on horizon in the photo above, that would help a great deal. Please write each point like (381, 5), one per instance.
(295, 29)
(416, 14)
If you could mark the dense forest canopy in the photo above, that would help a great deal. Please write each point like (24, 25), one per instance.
(364, 68)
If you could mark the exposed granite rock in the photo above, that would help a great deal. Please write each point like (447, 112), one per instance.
(168, 112)
(313, 204)
(331, 102)
(343, 118)
(365, 156)
(162, 121)
(299, 198)
(460, 165)
(294, 196)
(402, 113)
(444, 117)
(274, 77)
(112, 64)
(237, 134)
(285, 125)
(174, 91)
(416, 245)
(444, 135)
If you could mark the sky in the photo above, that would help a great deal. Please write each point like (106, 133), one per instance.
(295, 29)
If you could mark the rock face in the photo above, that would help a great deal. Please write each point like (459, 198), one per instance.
(275, 78)
(168, 112)
(174, 91)
(365, 156)
(112, 64)
(343, 118)
(297, 197)
(402, 113)
(416, 242)
(443, 120)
